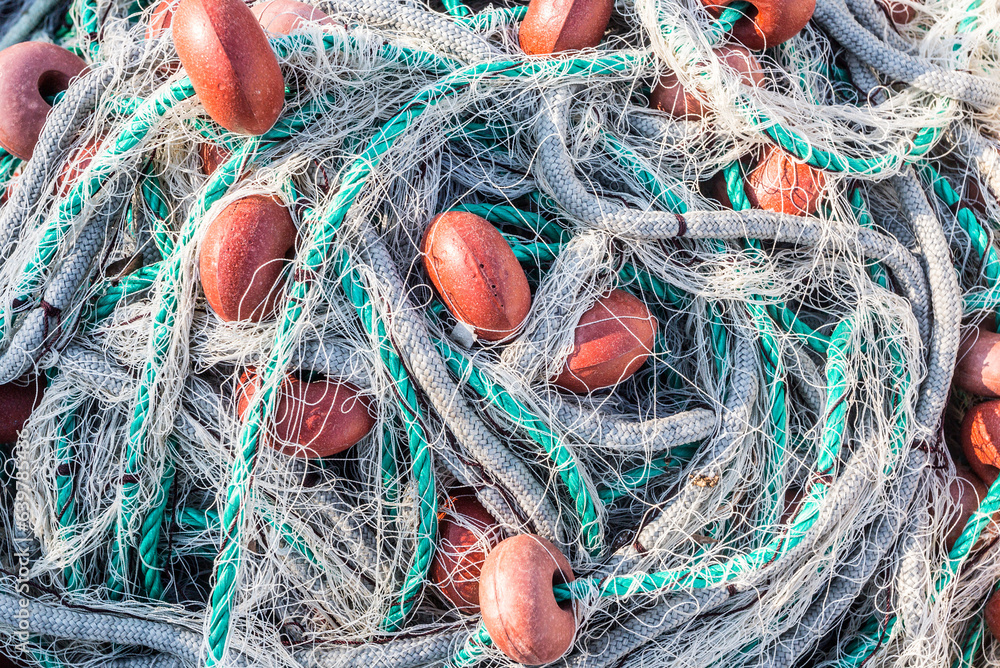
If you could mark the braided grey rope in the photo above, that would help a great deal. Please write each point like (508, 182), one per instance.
(716, 460)
(946, 297)
(155, 661)
(54, 317)
(555, 172)
(983, 152)
(413, 341)
(61, 125)
(458, 40)
(398, 653)
(588, 425)
(980, 92)
(346, 526)
(639, 628)
(332, 358)
(874, 20)
(659, 128)
(47, 619)
(827, 609)
(865, 79)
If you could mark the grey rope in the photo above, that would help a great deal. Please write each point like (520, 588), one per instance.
(834, 17)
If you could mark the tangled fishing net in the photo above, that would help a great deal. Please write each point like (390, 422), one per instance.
(774, 486)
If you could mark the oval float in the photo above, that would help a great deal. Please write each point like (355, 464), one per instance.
(555, 26)
(612, 340)
(978, 368)
(312, 419)
(519, 608)
(243, 255)
(281, 17)
(466, 533)
(992, 614)
(30, 72)
(231, 65)
(980, 438)
(476, 274)
(967, 491)
(769, 22)
(782, 184)
(670, 96)
(17, 400)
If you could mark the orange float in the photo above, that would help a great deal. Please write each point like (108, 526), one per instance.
(977, 370)
(556, 26)
(519, 608)
(669, 95)
(980, 437)
(782, 184)
(476, 274)
(230, 62)
(312, 419)
(281, 17)
(17, 400)
(466, 533)
(29, 73)
(243, 255)
(612, 340)
(768, 22)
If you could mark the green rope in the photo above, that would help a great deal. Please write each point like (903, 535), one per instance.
(65, 494)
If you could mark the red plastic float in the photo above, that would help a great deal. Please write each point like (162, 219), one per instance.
(242, 256)
(281, 17)
(212, 156)
(980, 437)
(17, 400)
(782, 184)
(312, 419)
(476, 274)
(612, 340)
(466, 533)
(30, 72)
(992, 614)
(555, 26)
(230, 63)
(161, 18)
(669, 95)
(520, 610)
(978, 368)
(768, 22)
(967, 492)
(899, 12)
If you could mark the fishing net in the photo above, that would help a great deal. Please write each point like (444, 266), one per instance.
(771, 488)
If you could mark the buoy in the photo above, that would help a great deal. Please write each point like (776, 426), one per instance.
(977, 370)
(281, 17)
(980, 437)
(161, 18)
(475, 272)
(231, 65)
(613, 339)
(519, 608)
(17, 400)
(29, 73)
(555, 26)
(242, 257)
(466, 533)
(967, 491)
(992, 614)
(782, 184)
(900, 12)
(767, 22)
(212, 156)
(74, 167)
(312, 419)
(670, 96)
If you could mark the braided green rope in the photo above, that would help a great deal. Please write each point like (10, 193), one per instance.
(457, 9)
(474, 649)
(565, 461)
(65, 497)
(642, 475)
(860, 209)
(973, 642)
(150, 568)
(481, 20)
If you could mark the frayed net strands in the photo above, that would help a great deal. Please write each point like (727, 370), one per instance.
(650, 333)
